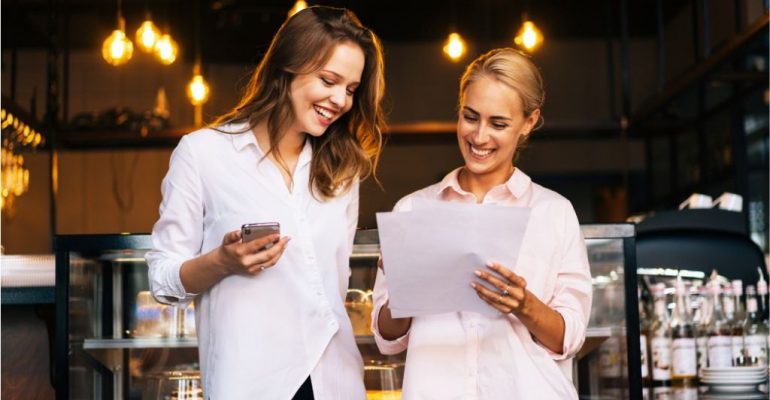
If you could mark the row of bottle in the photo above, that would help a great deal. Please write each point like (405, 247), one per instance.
(708, 327)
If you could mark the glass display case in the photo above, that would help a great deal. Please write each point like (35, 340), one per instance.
(114, 342)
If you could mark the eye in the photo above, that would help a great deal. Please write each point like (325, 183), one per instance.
(327, 82)
(470, 117)
(351, 92)
(499, 126)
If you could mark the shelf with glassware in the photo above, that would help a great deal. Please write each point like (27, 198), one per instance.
(602, 366)
(120, 343)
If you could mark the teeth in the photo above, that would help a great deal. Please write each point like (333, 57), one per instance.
(480, 152)
(324, 113)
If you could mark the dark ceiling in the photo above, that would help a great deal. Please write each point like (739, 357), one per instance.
(239, 30)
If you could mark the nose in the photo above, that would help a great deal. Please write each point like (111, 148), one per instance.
(481, 135)
(339, 97)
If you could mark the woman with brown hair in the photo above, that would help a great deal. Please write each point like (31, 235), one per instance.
(270, 314)
(542, 302)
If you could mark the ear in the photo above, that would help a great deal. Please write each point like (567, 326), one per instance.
(530, 123)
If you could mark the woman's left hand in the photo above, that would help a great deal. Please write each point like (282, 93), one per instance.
(511, 293)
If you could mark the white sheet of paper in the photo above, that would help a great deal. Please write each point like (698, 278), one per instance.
(430, 253)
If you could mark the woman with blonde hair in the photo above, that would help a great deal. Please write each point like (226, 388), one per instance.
(543, 301)
(270, 314)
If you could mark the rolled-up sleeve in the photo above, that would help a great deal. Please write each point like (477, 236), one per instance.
(573, 291)
(379, 298)
(178, 234)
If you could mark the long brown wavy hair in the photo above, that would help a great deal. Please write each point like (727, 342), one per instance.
(350, 147)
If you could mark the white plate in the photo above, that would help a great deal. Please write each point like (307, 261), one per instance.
(733, 370)
(732, 396)
(763, 376)
(732, 382)
(749, 389)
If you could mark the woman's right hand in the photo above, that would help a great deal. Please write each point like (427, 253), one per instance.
(250, 257)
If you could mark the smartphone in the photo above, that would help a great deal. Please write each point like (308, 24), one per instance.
(253, 231)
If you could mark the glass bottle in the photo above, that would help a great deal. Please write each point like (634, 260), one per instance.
(660, 339)
(719, 332)
(701, 328)
(736, 324)
(764, 312)
(755, 331)
(683, 355)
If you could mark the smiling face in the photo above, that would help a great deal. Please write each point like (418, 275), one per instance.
(320, 97)
(489, 127)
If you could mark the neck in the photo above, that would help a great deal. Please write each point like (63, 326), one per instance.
(480, 185)
(289, 146)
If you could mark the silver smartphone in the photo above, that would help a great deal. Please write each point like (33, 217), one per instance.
(258, 230)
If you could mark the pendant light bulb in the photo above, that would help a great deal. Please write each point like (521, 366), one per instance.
(298, 6)
(166, 49)
(198, 90)
(529, 37)
(454, 47)
(147, 35)
(117, 49)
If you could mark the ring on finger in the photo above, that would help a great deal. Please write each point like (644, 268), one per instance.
(504, 292)
(262, 268)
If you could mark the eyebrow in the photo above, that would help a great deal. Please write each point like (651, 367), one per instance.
(494, 117)
(339, 76)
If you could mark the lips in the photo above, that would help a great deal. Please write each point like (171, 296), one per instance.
(324, 113)
(479, 153)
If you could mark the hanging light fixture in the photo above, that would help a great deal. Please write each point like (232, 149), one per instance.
(528, 38)
(17, 136)
(298, 6)
(117, 49)
(166, 49)
(147, 35)
(454, 47)
(198, 89)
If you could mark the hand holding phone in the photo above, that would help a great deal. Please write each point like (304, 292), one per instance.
(259, 230)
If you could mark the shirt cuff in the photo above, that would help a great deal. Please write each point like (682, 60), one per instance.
(574, 336)
(387, 347)
(170, 290)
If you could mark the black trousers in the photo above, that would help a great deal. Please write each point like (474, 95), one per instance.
(305, 392)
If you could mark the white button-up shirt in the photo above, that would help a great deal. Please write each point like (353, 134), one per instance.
(466, 355)
(260, 337)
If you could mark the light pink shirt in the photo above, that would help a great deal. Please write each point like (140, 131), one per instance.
(465, 355)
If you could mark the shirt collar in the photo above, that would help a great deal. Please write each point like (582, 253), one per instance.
(243, 137)
(517, 184)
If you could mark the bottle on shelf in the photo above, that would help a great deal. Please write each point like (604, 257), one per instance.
(762, 303)
(764, 308)
(701, 328)
(736, 324)
(660, 339)
(755, 331)
(683, 355)
(719, 332)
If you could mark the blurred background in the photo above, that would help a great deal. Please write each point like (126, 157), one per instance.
(647, 101)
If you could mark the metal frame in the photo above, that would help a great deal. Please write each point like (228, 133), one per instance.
(627, 233)
(63, 247)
